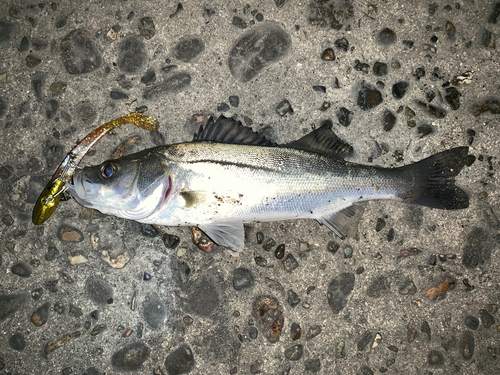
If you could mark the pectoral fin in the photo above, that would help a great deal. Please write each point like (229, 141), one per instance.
(344, 223)
(228, 234)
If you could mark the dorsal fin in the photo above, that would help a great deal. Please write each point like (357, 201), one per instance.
(228, 130)
(323, 141)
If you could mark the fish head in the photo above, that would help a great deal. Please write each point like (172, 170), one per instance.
(132, 187)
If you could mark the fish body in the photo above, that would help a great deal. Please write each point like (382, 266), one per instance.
(230, 175)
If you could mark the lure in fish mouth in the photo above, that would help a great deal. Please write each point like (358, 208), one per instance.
(229, 175)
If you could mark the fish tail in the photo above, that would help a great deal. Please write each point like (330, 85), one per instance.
(434, 182)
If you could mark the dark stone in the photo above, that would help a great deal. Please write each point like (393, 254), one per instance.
(378, 287)
(294, 353)
(368, 97)
(365, 341)
(486, 318)
(257, 49)
(131, 357)
(260, 261)
(171, 85)
(180, 361)
(149, 77)
(177, 10)
(118, 95)
(17, 341)
(60, 22)
(348, 252)
(336, 84)
(284, 107)
(98, 290)
(339, 290)
(328, 55)
(132, 55)
(295, 331)
(312, 365)
(146, 276)
(293, 298)
(360, 270)
(240, 23)
(476, 250)
(279, 253)
(342, 44)
(242, 279)
(79, 55)
(253, 332)
(290, 263)
(399, 89)
(222, 107)
(450, 30)
(155, 311)
(419, 73)
(380, 69)
(361, 67)
(495, 14)
(453, 98)
(75, 311)
(85, 113)
(41, 315)
(234, 101)
(21, 269)
(6, 30)
(188, 48)
(407, 287)
(256, 367)
(390, 235)
(388, 122)
(267, 312)
(435, 112)
(24, 46)
(471, 322)
(59, 308)
(488, 39)
(259, 17)
(203, 297)
(432, 8)
(467, 345)
(51, 109)
(332, 247)
(387, 37)
(313, 332)
(435, 358)
(408, 43)
(10, 303)
(424, 130)
(344, 116)
(426, 329)
(147, 27)
(321, 89)
(37, 81)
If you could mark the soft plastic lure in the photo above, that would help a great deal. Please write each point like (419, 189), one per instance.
(51, 195)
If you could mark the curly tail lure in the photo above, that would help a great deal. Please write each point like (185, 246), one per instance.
(51, 195)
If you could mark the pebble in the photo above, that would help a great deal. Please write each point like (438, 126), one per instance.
(339, 350)
(321, 89)
(260, 261)
(37, 293)
(131, 357)
(17, 341)
(368, 97)
(259, 17)
(294, 353)
(59, 308)
(79, 54)
(361, 67)
(328, 55)
(407, 287)
(64, 339)
(435, 359)
(399, 89)
(154, 312)
(21, 269)
(98, 290)
(60, 22)
(75, 311)
(279, 253)
(424, 130)
(147, 27)
(324, 106)
(488, 39)
(339, 290)
(98, 329)
(312, 365)
(332, 247)
(284, 107)
(243, 279)
(336, 83)
(188, 48)
(177, 10)
(253, 332)
(261, 46)
(267, 312)
(118, 95)
(342, 44)
(387, 37)
(390, 235)
(293, 298)
(41, 315)
(180, 361)
(467, 345)
(364, 341)
(132, 55)
(32, 61)
(471, 322)
(37, 82)
(378, 287)
(86, 113)
(348, 251)
(495, 14)
(313, 332)
(408, 43)
(486, 318)
(344, 116)
(234, 100)
(290, 263)
(259, 237)
(239, 23)
(380, 69)
(295, 331)
(7, 220)
(171, 85)
(388, 123)
(149, 77)
(256, 367)
(453, 98)
(426, 329)
(222, 107)
(68, 233)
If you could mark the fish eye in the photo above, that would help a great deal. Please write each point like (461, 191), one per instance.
(108, 170)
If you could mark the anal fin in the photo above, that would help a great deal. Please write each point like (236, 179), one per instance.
(344, 223)
(227, 234)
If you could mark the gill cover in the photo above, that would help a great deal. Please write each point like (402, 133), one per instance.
(132, 187)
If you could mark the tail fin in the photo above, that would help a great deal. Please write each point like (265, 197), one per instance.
(434, 183)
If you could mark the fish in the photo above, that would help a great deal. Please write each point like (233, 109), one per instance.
(229, 175)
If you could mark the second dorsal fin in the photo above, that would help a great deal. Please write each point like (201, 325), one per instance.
(229, 130)
(323, 141)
